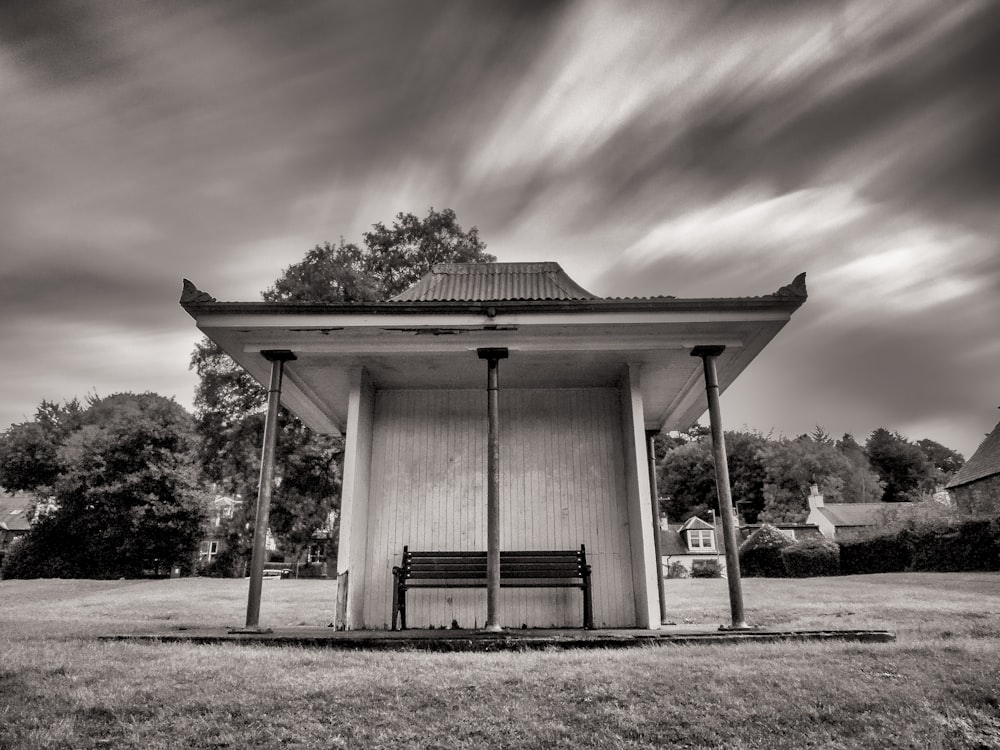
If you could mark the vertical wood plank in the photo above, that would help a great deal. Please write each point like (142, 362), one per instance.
(562, 483)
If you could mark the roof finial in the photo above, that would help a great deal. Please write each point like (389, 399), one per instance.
(193, 295)
(796, 289)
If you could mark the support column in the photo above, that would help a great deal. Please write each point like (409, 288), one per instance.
(708, 355)
(277, 358)
(354, 503)
(655, 505)
(493, 357)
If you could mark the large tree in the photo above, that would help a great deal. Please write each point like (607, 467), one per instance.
(902, 466)
(769, 478)
(29, 457)
(791, 466)
(686, 475)
(126, 492)
(946, 462)
(391, 260)
(229, 403)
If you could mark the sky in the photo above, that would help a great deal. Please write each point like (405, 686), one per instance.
(699, 149)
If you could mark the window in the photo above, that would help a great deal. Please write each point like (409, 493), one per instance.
(701, 539)
(208, 551)
(316, 554)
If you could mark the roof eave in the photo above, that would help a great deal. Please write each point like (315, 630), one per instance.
(787, 299)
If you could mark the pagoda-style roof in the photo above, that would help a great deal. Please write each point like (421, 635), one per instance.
(985, 462)
(558, 334)
(492, 282)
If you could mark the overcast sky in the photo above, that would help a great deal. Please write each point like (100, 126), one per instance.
(687, 148)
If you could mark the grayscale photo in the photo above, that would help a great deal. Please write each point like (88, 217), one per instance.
(519, 374)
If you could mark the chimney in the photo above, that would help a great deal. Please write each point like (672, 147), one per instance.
(815, 498)
(663, 521)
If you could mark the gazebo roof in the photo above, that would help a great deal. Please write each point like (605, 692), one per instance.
(491, 282)
(558, 334)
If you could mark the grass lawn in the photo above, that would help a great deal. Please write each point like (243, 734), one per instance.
(938, 686)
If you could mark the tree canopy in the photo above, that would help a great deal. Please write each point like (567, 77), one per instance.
(770, 478)
(903, 466)
(229, 403)
(390, 261)
(125, 488)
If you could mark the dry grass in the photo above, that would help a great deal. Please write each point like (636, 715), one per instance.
(937, 687)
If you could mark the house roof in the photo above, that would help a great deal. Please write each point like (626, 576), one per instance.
(558, 336)
(694, 522)
(985, 462)
(674, 542)
(14, 511)
(490, 282)
(872, 514)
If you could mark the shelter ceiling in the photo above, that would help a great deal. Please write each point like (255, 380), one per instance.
(433, 354)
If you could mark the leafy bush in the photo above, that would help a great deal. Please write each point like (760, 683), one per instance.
(706, 569)
(760, 554)
(677, 569)
(223, 566)
(44, 552)
(310, 570)
(812, 557)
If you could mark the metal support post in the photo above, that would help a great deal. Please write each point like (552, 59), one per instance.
(277, 358)
(657, 544)
(708, 355)
(493, 356)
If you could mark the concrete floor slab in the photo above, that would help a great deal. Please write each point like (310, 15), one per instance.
(508, 640)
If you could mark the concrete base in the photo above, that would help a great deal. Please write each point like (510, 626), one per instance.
(507, 640)
(249, 631)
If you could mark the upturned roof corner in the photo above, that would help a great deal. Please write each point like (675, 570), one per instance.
(796, 289)
(192, 295)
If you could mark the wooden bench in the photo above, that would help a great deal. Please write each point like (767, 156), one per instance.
(454, 570)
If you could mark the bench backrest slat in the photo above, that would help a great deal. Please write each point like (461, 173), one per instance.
(519, 564)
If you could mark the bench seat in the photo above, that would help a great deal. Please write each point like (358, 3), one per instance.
(518, 569)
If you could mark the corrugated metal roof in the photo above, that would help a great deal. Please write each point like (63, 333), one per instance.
(985, 462)
(494, 282)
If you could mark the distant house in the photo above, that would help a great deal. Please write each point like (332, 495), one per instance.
(840, 520)
(976, 486)
(695, 544)
(222, 509)
(15, 518)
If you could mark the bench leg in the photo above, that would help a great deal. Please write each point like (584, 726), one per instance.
(588, 604)
(395, 599)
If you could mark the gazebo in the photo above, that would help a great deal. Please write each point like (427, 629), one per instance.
(497, 407)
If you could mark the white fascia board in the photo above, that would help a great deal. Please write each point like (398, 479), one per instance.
(473, 321)
(511, 341)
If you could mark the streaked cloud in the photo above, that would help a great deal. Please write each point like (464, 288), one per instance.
(651, 147)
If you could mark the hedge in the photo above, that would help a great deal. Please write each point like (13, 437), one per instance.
(969, 545)
(942, 546)
(889, 553)
(811, 557)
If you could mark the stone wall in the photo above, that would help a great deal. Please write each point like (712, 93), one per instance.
(981, 497)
